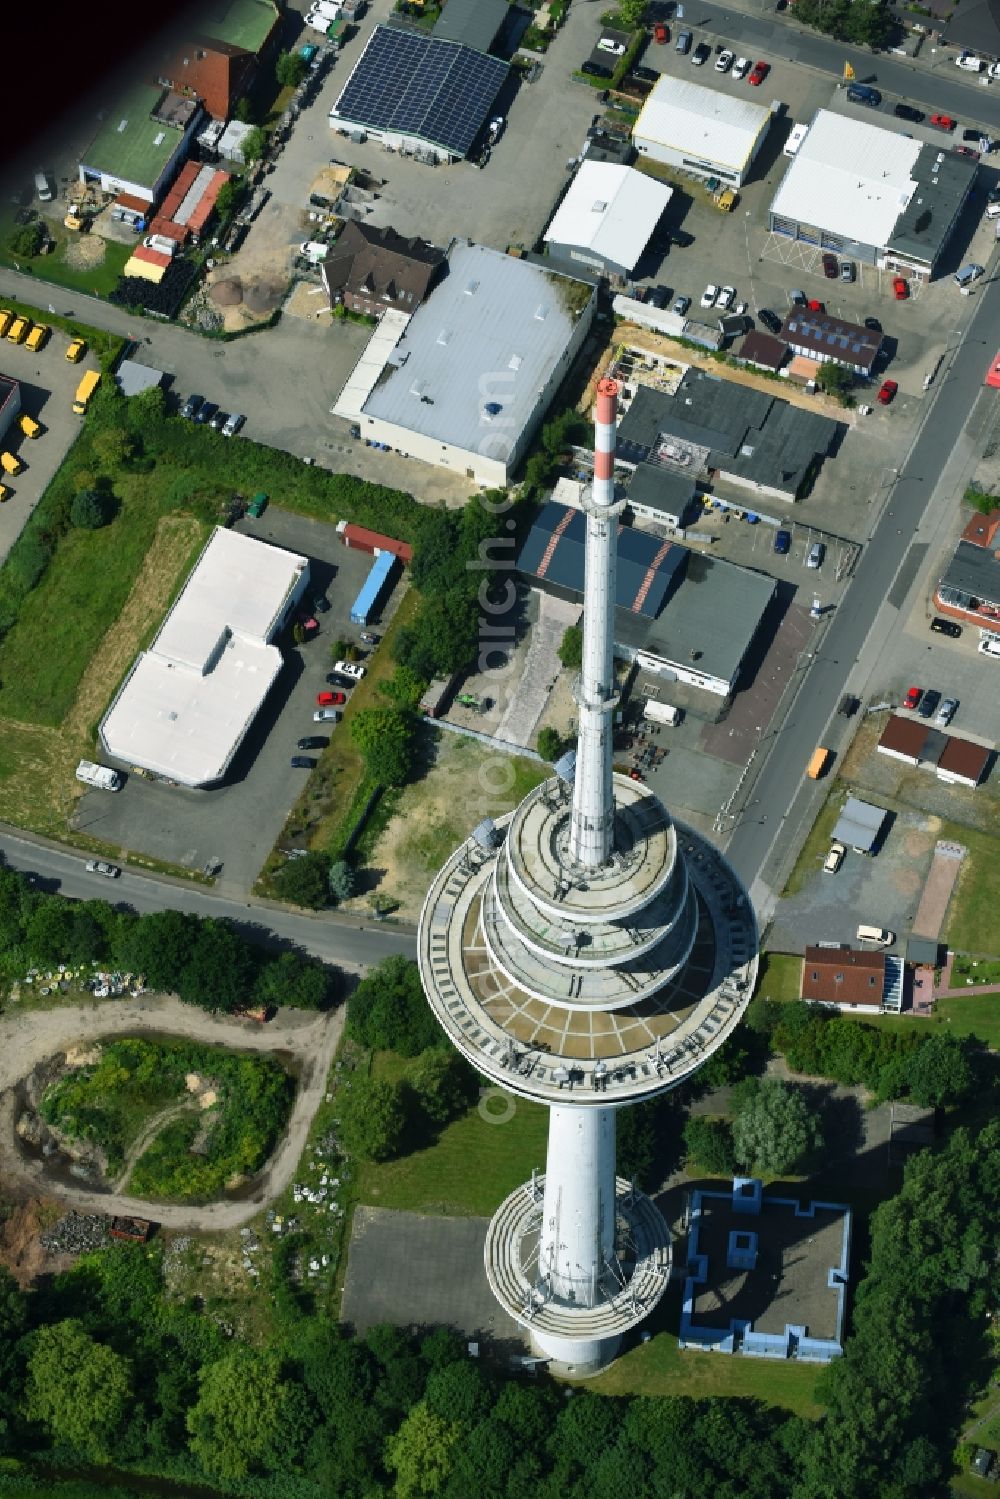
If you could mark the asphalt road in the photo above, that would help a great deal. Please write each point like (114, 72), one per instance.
(350, 944)
(768, 832)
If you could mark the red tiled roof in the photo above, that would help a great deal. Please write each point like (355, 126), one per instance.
(982, 529)
(843, 976)
(151, 257)
(906, 736)
(961, 757)
(137, 205)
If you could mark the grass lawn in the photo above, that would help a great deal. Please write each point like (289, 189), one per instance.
(978, 970)
(779, 976)
(972, 924)
(97, 280)
(817, 845)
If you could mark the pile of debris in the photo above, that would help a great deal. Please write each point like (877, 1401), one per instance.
(77, 1233)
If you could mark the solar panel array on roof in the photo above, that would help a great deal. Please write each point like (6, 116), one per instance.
(423, 86)
(647, 565)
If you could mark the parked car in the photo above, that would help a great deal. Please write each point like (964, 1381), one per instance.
(815, 305)
(326, 715)
(771, 320)
(338, 699)
(321, 605)
(946, 712)
(847, 270)
(303, 762)
(709, 295)
(313, 742)
(205, 412)
(907, 112)
(886, 393)
(943, 122)
(912, 698)
(608, 44)
(645, 75)
(681, 306)
(496, 127)
(233, 424)
(741, 67)
(816, 554)
(335, 679)
(967, 151)
(782, 542)
(724, 299)
(659, 297)
(595, 69)
(949, 627)
(830, 266)
(760, 72)
(701, 54)
(725, 60)
(217, 421)
(76, 350)
(874, 324)
(661, 33)
(351, 669)
(683, 42)
(325, 699)
(98, 866)
(834, 858)
(929, 703)
(370, 638)
(191, 406)
(969, 63)
(900, 288)
(797, 298)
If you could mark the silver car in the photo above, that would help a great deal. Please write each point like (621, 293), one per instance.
(946, 712)
(98, 866)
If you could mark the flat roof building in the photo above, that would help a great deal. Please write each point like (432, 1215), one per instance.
(185, 706)
(10, 403)
(132, 377)
(606, 219)
(860, 825)
(142, 142)
(701, 130)
(474, 23)
(465, 381)
(969, 588)
(874, 194)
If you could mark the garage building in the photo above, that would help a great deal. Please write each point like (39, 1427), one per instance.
(872, 194)
(187, 703)
(606, 219)
(701, 130)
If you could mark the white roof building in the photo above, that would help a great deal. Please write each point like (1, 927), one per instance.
(464, 382)
(185, 706)
(702, 130)
(607, 217)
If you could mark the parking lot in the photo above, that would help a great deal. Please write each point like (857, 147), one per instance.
(237, 823)
(48, 383)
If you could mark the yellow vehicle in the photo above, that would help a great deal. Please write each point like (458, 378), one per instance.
(29, 426)
(4, 494)
(11, 463)
(19, 329)
(6, 318)
(76, 350)
(726, 201)
(36, 338)
(74, 220)
(85, 390)
(820, 760)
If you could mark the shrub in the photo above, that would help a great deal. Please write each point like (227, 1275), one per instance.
(27, 240)
(91, 510)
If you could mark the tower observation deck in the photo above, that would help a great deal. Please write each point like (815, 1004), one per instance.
(587, 952)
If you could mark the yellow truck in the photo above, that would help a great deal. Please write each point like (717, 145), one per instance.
(11, 463)
(19, 329)
(85, 390)
(29, 426)
(6, 318)
(818, 763)
(727, 200)
(36, 338)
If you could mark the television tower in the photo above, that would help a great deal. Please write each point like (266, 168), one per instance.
(586, 952)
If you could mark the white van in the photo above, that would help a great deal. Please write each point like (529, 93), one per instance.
(989, 644)
(967, 275)
(794, 141)
(43, 187)
(314, 251)
(878, 936)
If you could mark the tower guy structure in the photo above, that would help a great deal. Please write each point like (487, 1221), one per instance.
(586, 952)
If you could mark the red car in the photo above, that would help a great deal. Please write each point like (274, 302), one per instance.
(327, 699)
(661, 33)
(886, 392)
(913, 697)
(831, 269)
(967, 151)
(943, 122)
(815, 306)
(760, 72)
(900, 288)
(336, 698)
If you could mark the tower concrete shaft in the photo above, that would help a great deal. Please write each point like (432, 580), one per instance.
(593, 818)
(577, 1245)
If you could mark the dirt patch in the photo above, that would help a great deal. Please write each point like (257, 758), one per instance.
(85, 252)
(21, 1249)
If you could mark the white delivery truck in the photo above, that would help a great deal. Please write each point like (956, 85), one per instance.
(662, 712)
(101, 776)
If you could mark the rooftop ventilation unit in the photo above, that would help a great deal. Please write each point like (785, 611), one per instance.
(599, 207)
(471, 288)
(541, 313)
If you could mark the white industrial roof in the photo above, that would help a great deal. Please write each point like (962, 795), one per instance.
(704, 122)
(190, 698)
(849, 177)
(491, 333)
(610, 210)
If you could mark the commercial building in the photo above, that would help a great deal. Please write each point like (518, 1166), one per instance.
(969, 589)
(370, 269)
(767, 1275)
(661, 495)
(474, 23)
(831, 340)
(852, 980)
(606, 219)
(219, 62)
(701, 130)
(142, 142)
(679, 615)
(747, 437)
(185, 706)
(872, 194)
(954, 760)
(10, 403)
(860, 825)
(419, 94)
(465, 381)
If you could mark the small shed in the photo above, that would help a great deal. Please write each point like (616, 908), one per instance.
(132, 377)
(860, 825)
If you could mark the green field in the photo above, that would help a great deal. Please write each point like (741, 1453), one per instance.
(972, 924)
(96, 280)
(779, 976)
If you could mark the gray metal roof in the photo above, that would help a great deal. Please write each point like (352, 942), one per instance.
(661, 489)
(859, 824)
(475, 23)
(975, 572)
(132, 377)
(943, 180)
(491, 333)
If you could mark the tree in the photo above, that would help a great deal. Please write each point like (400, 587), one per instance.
(385, 738)
(342, 880)
(388, 1010)
(27, 240)
(254, 145)
(421, 1453)
(91, 510)
(295, 981)
(227, 199)
(158, 945)
(373, 1117)
(242, 112)
(247, 1416)
(113, 447)
(631, 13)
(550, 743)
(460, 1392)
(775, 1130)
(78, 1389)
(571, 648)
(304, 881)
(290, 69)
(940, 1071)
(442, 1084)
(219, 972)
(835, 379)
(709, 1144)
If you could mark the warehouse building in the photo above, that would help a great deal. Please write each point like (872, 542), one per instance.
(142, 142)
(606, 219)
(701, 130)
(10, 403)
(872, 194)
(465, 381)
(184, 708)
